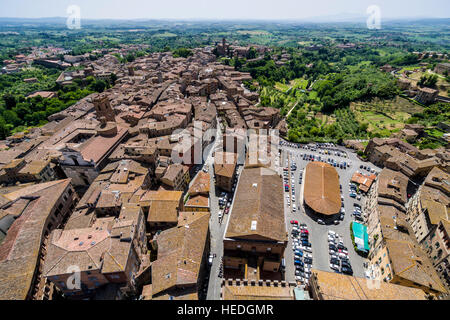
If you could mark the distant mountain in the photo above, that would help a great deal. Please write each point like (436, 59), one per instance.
(338, 18)
(342, 17)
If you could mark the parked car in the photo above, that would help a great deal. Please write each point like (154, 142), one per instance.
(346, 270)
(210, 259)
(333, 256)
(305, 249)
(306, 244)
(346, 264)
(299, 262)
(342, 255)
(334, 266)
(320, 221)
(335, 261)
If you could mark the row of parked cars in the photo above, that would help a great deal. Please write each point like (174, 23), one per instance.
(302, 251)
(338, 164)
(367, 168)
(226, 198)
(357, 213)
(353, 191)
(289, 144)
(336, 153)
(339, 261)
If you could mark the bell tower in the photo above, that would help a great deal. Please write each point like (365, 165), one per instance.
(103, 108)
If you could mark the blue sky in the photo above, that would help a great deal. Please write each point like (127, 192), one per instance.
(225, 9)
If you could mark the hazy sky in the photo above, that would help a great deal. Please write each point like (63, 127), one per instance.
(225, 9)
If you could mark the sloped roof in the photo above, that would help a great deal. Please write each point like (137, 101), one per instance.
(20, 249)
(225, 164)
(410, 262)
(96, 247)
(321, 190)
(258, 209)
(201, 184)
(248, 292)
(334, 286)
(180, 253)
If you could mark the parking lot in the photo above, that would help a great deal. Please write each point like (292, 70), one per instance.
(323, 250)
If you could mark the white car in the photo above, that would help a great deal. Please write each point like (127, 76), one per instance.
(320, 221)
(334, 266)
(342, 210)
(305, 249)
(330, 232)
(307, 255)
(342, 255)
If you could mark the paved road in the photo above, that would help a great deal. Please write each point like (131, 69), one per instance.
(318, 233)
(217, 228)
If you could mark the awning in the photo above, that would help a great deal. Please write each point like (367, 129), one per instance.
(361, 236)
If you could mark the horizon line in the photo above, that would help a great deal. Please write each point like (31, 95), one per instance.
(333, 18)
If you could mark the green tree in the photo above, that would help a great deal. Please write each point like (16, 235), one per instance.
(10, 101)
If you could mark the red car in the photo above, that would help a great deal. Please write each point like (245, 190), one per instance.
(305, 231)
(294, 222)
